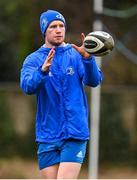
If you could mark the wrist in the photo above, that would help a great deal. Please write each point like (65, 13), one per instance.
(44, 69)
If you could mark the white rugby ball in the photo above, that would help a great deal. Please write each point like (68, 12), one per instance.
(98, 43)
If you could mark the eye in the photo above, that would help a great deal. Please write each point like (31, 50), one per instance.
(61, 25)
(52, 26)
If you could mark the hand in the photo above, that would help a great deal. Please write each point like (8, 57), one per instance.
(81, 49)
(48, 61)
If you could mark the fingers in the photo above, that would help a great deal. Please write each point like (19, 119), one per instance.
(82, 37)
(48, 61)
(79, 49)
(75, 47)
(50, 55)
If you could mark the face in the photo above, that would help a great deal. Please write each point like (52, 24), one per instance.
(55, 34)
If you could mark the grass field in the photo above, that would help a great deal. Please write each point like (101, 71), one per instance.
(27, 169)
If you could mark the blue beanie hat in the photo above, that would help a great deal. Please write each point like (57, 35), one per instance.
(47, 17)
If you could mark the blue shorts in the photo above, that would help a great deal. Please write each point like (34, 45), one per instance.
(70, 150)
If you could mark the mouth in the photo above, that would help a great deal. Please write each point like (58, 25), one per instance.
(58, 37)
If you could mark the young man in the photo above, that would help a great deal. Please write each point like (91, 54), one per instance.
(56, 74)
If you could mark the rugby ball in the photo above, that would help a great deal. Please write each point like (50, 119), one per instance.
(98, 43)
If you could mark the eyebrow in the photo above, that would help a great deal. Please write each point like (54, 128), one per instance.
(54, 25)
(57, 22)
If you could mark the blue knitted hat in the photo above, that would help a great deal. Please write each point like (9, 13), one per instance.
(47, 17)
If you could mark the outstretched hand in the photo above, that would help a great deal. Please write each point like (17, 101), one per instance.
(48, 61)
(81, 49)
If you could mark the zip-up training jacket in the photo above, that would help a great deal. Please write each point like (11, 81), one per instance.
(62, 110)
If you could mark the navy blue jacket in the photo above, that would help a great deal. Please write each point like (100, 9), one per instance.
(62, 110)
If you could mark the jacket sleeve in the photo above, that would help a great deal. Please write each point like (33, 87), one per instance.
(92, 75)
(31, 77)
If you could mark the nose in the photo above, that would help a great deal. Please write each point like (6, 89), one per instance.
(58, 29)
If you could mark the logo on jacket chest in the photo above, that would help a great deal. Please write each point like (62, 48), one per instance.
(70, 70)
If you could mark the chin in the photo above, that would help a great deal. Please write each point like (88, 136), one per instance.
(57, 43)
